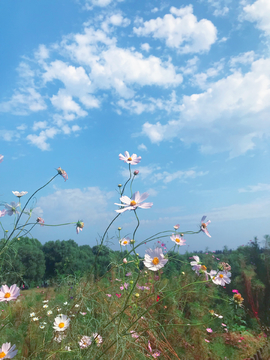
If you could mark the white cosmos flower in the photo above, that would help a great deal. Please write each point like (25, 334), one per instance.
(204, 225)
(221, 277)
(12, 208)
(154, 259)
(133, 203)
(85, 342)
(19, 194)
(132, 160)
(61, 323)
(178, 239)
(97, 338)
(196, 265)
(7, 351)
(125, 241)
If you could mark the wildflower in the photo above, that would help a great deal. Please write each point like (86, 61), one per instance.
(223, 324)
(154, 353)
(62, 173)
(136, 172)
(209, 330)
(98, 339)
(221, 277)
(6, 351)
(45, 301)
(67, 348)
(35, 319)
(119, 185)
(196, 265)
(206, 340)
(204, 225)
(3, 213)
(178, 240)
(85, 342)
(132, 160)
(45, 306)
(158, 298)
(235, 291)
(7, 294)
(11, 208)
(134, 334)
(125, 261)
(61, 323)
(109, 295)
(128, 274)
(32, 314)
(118, 295)
(66, 303)
(49, 312)
(125, 241)
(176, 227)
(137, 295)
(40, 221)
(154, 259)
(1, 158)
(238, 299)
(82, 313)
(19, 194)
(41, 326)
(59, 337)
(77, 305)
(79, 226)
(133, 203)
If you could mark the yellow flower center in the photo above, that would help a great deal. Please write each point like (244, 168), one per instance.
(177, 240)
(125, 242)
(61, 325)
(129, 159)
(132, 203)
(2, 355)
(155, 261)
(221, 276)
(7, 295)
(204, 268)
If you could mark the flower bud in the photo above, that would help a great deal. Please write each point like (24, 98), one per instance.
(136, 172)
(131, 282)
(119, 228)
(137, 295)
(132, 241)
(125, 261)
(119, 185)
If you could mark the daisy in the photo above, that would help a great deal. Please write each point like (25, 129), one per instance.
(154, 259)
(62, 173)
(85, 342)
(204, 225)
(7, 352)
(19, 194)
(132, 160)
(32, 314)
(35, 319)
(125, 241)
(178, 240)
(220, 278)
(49, 312)
(79, 226)
(7, 294)
(45, 301)
(61, 323)
(45, 306)
(133, 203)
(98, 339)
(12, 208)
(41, 326)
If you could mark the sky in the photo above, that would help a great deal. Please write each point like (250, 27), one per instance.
(185, 85)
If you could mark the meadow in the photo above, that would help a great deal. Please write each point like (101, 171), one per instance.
(162, 305)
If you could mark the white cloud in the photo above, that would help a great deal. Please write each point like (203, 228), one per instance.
(40, 140)
(243, 59)
(145, 47)
(9, 135)
(21, 127)
(255, 188)
(221, 12)
(154, 10)
(142, 147)
(259, 12)
(39, 125)
(230, 116)
(64, 102)
(181, 30)
(101, 3)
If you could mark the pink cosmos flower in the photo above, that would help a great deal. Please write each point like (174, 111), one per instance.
(209, 330)
(220, 278)
(136, 172)
(134, 334)
(128, 274)
(176, 227)
(196, 265)
(62, 173)
(3, 213)
(79, 226)
(204, 226)
(118, 295)
(7, 294)
(235, 291)
(132, 160)
(154, 353)
(177, 239)
(12, 208)
(206, 340)
(1, 158)
(40, 221)
(109, 295)
(8, 352)
(85, 342)
(133, 203)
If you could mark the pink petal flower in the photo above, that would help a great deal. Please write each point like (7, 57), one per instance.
(118, 295)
(62, 173)
(209, 330)
(130, 159)
(204, 225)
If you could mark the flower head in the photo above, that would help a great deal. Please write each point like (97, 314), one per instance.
(154, 259)
(7, 294)
(19, 194)
(204, 225)
(12, 208)
(154, 353)
(209, 330)
(125, 261)
(40, 221)
(62, 173)
(61, 323)
(85, 342)
(1, 158)
(3, 213)
(238, 299)
(98, 339)
(125, 241)
(136, 172)
(132, 160)
(178, 239)
(7, 352)
(49, 312)
(79, 226)
(133, 203)
(220, 278)
(176, 227)
(59, 337)
(196, 265)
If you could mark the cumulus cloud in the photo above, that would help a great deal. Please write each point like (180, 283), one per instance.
(142, 147)
(255, 188)
(180, 29)
(259, 12)
(229, 116)
(89, 4)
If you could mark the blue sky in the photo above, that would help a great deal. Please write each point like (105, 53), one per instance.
(185, 86)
